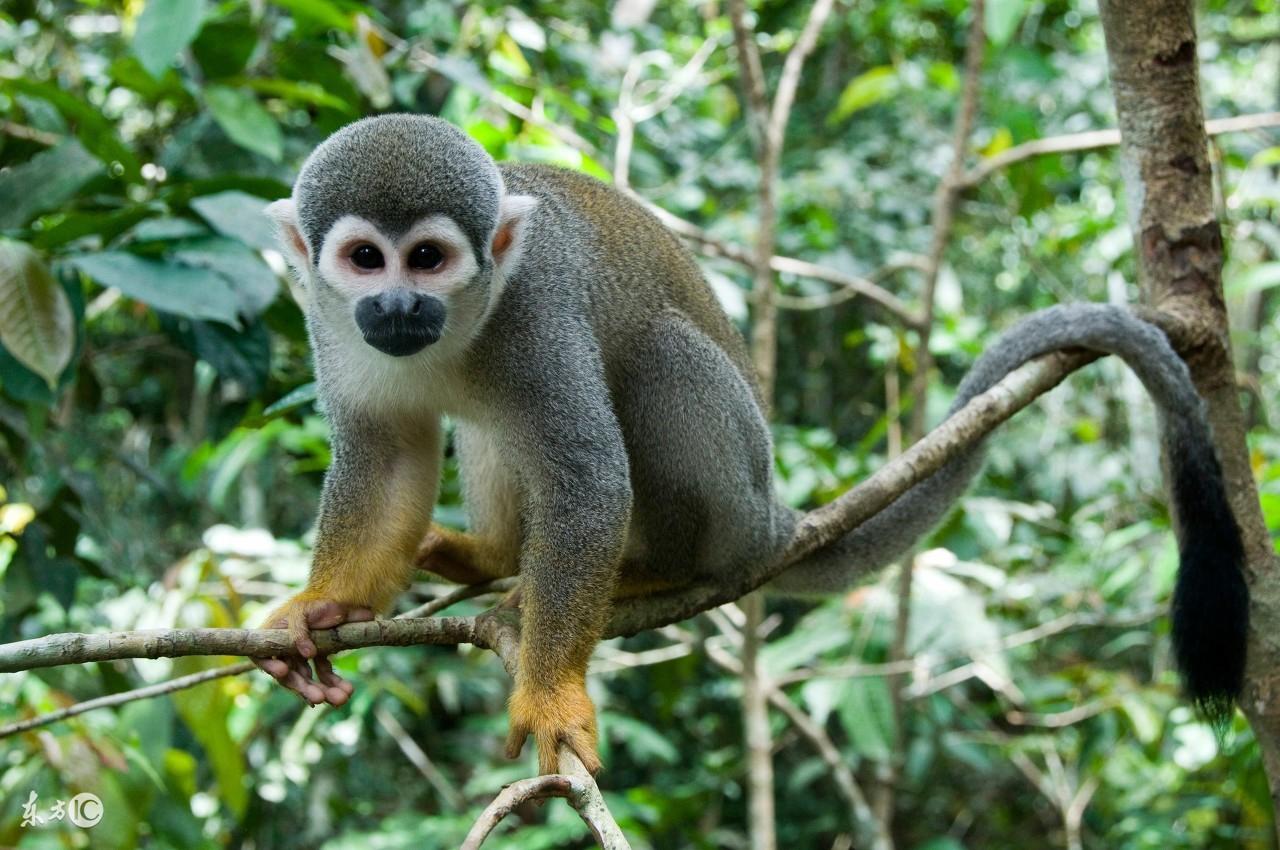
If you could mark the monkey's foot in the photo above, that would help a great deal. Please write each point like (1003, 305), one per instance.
(554, 716)
(300, 615)
(459, 557)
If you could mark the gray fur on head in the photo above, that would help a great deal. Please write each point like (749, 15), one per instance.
(395, 169)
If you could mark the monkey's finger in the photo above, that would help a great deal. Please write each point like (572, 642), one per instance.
(299, 681)
(548, 755)
(273, 667)
(583, 744)
(300, 632)
(325, 615)
(336, 689)
(515, 740)
(359, 615)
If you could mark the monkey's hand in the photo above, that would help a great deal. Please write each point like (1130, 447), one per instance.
(563, 714)
(300, 615)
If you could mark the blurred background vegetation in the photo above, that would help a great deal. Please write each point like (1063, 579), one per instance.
(161, 458)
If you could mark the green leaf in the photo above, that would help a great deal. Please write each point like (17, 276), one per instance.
(197, 293)
(300, 92)
(245, 121)
(1002, 18)
(864, 90)
(866, 712)
(240, 356)
(238, 215)
(322, 12)
(224, 47)
(1256, 278)
(254, 284)
(59, 172)
(165, 27)
(36, 323)
(204, 710)
(290, 401)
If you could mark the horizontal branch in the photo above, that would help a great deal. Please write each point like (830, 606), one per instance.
(1094, 139)
(819, 527)
(53, 650)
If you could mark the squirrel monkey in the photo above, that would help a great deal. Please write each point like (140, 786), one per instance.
(609, 428)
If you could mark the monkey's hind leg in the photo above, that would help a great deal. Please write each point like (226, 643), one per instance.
(463, 558)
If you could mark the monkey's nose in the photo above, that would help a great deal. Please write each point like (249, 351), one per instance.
(400, 321)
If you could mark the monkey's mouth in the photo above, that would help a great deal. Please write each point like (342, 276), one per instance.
(400, 322)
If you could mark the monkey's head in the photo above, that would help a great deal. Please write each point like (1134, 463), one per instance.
(400, 227)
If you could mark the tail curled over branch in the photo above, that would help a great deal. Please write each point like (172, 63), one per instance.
(1210, 602)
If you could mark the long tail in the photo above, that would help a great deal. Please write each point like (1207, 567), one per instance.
(1210, 602)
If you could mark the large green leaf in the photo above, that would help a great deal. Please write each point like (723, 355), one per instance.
(197, 293)
(36, 323)
(164, 28)
(245, 121)
(205, 711)
(238, 215)
(58, 172)
(254, 284)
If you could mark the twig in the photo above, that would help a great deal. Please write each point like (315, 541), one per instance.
(865, 287)
(30, 134)
(418, 758)
(158, 689)
(862, 819)
(1094, 139)
(581, 793)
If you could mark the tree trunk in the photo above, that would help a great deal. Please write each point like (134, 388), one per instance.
(1151, 48)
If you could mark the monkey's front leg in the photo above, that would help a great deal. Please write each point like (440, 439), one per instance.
(376, 504)
(577, 522)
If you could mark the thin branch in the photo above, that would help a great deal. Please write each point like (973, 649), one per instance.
(582, 795)
(418, 758)
(870, 829)
(865, 287)
(190, 681)
(30, 134)
(1094, 139)
(111, 700)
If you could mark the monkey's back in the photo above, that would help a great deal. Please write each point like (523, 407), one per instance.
(638, 267)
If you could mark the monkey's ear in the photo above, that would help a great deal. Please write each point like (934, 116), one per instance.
(284, 215)
(508, 242)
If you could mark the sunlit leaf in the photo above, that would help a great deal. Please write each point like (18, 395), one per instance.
(245, 121)
(1002, 18)
(322, 12)
(36, 323)
(864, 90)
(165, 27)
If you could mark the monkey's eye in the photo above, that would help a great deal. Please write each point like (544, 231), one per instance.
(367, 256)
(426, 256)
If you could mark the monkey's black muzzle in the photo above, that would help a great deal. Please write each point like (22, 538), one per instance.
(400, 322)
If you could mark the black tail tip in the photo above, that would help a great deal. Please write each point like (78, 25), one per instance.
(1211, 624)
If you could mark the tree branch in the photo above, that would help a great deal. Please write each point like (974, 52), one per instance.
(1094, 139)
